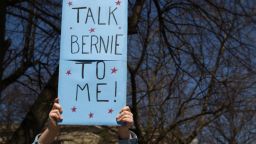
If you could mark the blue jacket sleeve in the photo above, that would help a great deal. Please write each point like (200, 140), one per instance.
(133, 139)
(36, 139)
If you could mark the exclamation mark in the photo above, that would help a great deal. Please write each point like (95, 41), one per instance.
(115, 90)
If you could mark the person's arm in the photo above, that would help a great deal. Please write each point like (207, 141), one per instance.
(52, 130)
(124, 134)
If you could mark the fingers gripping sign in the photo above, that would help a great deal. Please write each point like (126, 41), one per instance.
(125, 117)
(55, 114)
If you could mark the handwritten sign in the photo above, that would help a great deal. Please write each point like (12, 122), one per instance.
(93, 61)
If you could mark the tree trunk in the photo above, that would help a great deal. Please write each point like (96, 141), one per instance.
(2, 38)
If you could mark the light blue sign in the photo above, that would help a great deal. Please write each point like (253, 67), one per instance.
(93, 61)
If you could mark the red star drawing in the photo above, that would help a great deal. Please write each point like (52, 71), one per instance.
(110, 111)
(91, 115)
(73, 109)
(92, 30)
(118, 2)
(114, 70)
(68, 72)
(70, 3)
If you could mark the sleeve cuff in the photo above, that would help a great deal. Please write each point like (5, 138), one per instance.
(132, 140)
(36, 139)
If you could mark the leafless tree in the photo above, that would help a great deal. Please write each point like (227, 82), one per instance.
(187, 57)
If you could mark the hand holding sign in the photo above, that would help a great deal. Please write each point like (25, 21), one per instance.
(93, 60)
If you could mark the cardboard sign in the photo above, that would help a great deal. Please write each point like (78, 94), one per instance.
(93, 61)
